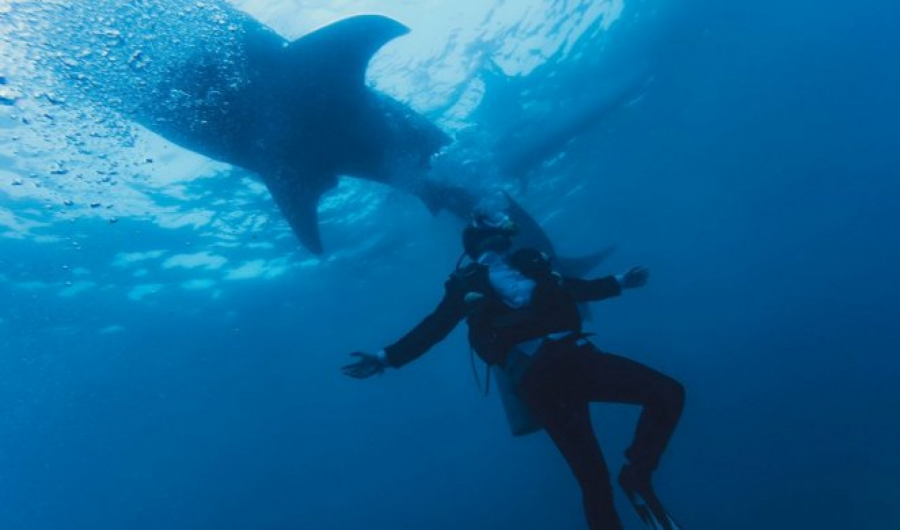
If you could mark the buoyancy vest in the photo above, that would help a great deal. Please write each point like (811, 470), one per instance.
(495, 327)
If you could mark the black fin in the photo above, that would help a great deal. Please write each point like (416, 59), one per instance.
(343, 49)
(645, 502)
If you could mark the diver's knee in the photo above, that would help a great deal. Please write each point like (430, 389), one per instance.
(678, 393)
(672, 395)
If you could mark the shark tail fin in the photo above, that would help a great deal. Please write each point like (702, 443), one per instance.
(344, 48)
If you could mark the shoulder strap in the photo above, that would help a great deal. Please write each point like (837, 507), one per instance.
(532, 263)
(483, 390)
(470, 277)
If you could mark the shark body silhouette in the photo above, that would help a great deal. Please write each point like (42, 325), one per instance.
(299, 114)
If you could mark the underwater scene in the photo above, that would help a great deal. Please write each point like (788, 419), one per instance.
(206, 206)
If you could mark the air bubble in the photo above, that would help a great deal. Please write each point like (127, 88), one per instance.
(8, 97)
(138, 60)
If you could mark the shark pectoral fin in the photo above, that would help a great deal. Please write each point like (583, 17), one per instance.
(300, 207)
(343, 49)
(582, 266)
(531, 234)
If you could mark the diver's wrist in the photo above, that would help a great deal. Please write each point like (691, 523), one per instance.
(381, 355)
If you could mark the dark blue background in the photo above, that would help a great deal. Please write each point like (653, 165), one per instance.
(757, 179)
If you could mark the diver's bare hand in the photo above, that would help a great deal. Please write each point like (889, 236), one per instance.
(367, 366)
(635, 277)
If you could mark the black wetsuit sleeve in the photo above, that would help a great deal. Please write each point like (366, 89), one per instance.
(433, 329)
(592, 290)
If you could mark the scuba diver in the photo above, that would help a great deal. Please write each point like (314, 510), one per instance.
(524, 322)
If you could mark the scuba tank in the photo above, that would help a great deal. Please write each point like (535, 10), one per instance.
(520, 418)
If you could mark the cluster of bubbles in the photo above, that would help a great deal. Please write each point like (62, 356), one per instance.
(114, 52)
(71, 76)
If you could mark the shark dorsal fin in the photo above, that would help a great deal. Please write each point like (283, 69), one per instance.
(344, 48)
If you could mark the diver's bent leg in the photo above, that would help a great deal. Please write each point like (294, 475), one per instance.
(612, 378)
(569, 426)
(656, 424)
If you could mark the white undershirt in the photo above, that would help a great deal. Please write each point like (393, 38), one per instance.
(514, 288)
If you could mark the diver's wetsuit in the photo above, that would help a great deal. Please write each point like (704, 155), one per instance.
(561, 384)
(564, 378)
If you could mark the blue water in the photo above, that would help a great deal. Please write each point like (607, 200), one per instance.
(169, 356)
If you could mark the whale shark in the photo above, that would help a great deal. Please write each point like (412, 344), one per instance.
(299, 115)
